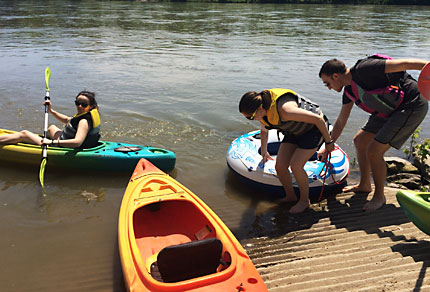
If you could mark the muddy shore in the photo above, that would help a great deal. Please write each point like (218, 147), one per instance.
(335, 246)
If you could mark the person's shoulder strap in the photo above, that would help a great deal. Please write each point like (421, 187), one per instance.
(93, 115)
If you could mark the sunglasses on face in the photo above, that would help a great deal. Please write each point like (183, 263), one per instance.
(82, 104)
(251, 117)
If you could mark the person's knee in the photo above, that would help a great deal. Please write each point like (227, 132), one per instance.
(24, 133)
(359, 142)
(376, 151)
(296, 166)
(280, 168)
(372, 155)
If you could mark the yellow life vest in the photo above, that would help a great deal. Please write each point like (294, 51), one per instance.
(272, 113)
(95, 117)
(274, 121)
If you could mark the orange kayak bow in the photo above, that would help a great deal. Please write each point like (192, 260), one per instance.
(170, 240)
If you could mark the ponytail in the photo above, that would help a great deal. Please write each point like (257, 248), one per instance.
(251, 100)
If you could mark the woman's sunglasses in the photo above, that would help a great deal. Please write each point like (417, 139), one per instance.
(82, 104)
(251, 117)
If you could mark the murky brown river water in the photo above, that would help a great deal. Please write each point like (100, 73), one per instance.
(167, 75)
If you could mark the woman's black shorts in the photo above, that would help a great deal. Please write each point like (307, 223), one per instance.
(309, 140)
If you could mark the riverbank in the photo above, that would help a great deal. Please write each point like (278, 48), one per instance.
(335, 246)
(166, 74)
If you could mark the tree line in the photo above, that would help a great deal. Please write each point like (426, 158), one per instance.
(362, 2)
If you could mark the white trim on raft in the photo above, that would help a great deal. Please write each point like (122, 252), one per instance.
(243, 158)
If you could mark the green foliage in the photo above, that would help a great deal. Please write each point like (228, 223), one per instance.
(414, 138)
(422, 149)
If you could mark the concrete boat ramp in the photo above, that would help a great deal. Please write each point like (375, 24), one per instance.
(335, 246)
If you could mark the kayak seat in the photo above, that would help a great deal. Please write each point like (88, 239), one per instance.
(189, 260)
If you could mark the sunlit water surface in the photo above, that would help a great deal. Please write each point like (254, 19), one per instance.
(167, 75)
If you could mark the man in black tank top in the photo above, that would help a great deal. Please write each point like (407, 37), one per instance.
(379, 133)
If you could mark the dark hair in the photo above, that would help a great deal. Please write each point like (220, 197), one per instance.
(91, 96)
(251, 100)
(332, 66)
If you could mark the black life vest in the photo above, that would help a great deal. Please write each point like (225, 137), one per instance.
(93, 136)
(381, 101)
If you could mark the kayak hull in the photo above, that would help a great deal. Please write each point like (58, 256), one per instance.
(159, 214)
(104, 157)
(416, 206)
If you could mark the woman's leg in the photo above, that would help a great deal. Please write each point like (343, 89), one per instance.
(54, 132)
(301, 156)
(22, 136)
(285, 153)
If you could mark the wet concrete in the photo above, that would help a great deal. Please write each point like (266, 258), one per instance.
(335, 246)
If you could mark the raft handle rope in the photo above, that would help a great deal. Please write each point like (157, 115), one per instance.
(327, 168)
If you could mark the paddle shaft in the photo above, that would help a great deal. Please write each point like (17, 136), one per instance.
(45, 131)
(45, 128)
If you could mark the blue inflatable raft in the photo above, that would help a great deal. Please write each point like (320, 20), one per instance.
(244, 159)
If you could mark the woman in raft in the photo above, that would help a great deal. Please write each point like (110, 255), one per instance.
(305, 128)
(81, 130)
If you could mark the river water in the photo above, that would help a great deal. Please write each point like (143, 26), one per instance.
(167, 75)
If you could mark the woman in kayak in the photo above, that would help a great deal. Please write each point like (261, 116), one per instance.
(304, 127)
(81, 130)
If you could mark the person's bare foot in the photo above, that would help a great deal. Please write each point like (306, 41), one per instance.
(356, 189)
(374, 204)
(288, 199)
(299, 207)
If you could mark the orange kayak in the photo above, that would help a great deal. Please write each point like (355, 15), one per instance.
(170, 240)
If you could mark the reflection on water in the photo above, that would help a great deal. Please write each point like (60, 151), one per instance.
(167, 75)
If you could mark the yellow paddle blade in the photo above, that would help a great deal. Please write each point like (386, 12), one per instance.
(42, 173)
(47, 76)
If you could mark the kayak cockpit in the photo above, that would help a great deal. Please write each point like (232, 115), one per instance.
(177, 242)
(186, 261)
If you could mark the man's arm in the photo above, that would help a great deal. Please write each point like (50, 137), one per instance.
(341, 120)
(399, 65)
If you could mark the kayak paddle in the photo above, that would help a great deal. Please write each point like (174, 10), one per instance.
(45, 130)
(424, 82)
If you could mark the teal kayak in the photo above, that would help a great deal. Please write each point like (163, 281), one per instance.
(416, 206)
(107, 156)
